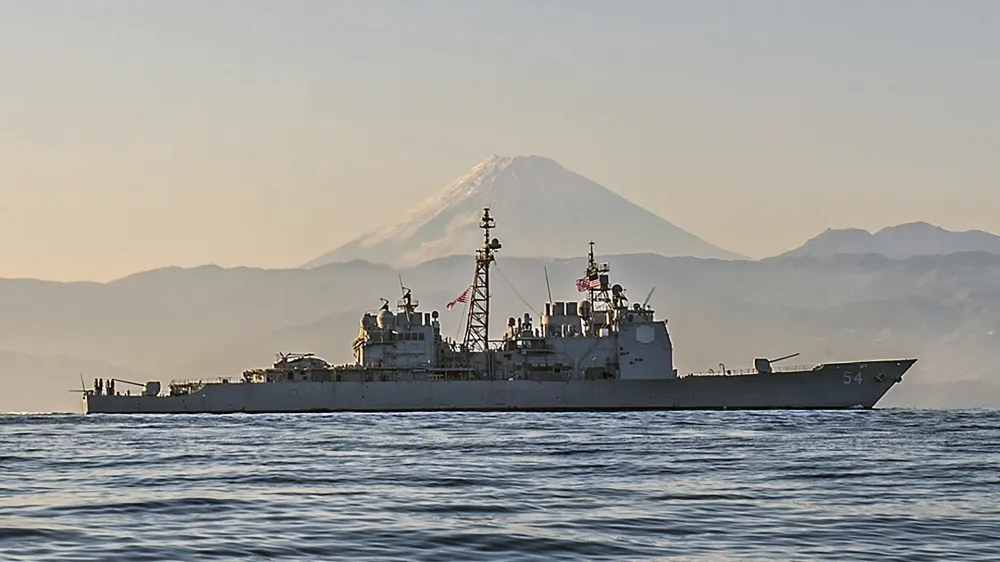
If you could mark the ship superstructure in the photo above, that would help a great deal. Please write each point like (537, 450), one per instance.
(599, 353)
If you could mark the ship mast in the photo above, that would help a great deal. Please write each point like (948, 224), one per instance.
(600, 295)
(591, 269)
(407, 305)
(477, 329)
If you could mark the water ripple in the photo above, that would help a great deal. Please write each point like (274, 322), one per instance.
(884, 484)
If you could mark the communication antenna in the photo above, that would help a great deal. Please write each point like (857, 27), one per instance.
(406, 302)
(547, 286)
(649, 296)
(83, 386)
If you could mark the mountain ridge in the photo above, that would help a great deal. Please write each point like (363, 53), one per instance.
(549, 204)
(901, 241)
(203, 323)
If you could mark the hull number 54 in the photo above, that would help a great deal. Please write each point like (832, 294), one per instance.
(856, 379)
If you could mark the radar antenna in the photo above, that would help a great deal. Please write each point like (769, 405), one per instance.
(478, 327)
(406, 303)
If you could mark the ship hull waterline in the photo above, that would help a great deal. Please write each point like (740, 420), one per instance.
(856, 385)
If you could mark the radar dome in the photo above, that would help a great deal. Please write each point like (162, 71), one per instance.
(368, 321)
(386, 320)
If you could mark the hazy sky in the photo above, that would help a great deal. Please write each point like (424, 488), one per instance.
(137, 134)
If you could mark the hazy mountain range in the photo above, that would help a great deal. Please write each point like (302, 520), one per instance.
(206, 322)
(900, 242)
(912, 291)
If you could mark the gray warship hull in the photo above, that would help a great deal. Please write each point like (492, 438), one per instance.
(600, 353)
(854, 385)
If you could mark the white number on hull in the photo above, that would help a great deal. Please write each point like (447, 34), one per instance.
(848, 379)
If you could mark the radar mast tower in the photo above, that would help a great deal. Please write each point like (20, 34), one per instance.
(477, 328)
(600, 296)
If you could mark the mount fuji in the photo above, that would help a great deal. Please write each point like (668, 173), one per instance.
(541, 210)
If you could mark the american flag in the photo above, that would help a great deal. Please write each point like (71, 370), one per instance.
(461, 298)
(592, 281)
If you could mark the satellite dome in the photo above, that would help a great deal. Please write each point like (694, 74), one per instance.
(386, 320)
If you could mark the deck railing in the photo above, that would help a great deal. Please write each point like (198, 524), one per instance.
(750, 371)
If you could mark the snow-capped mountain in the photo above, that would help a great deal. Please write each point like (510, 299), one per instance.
(541, 210)
(897, 242)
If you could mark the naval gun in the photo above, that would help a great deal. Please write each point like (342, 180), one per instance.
(151, 388)
(763, 364)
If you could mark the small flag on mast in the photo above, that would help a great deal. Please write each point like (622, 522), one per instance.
(461, 298)
(592, 281)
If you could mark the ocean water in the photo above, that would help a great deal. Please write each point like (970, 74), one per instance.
(856, 485)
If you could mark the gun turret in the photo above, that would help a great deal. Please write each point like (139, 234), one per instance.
(763, 365)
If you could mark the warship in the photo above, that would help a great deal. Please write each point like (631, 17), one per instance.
(601, 353)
